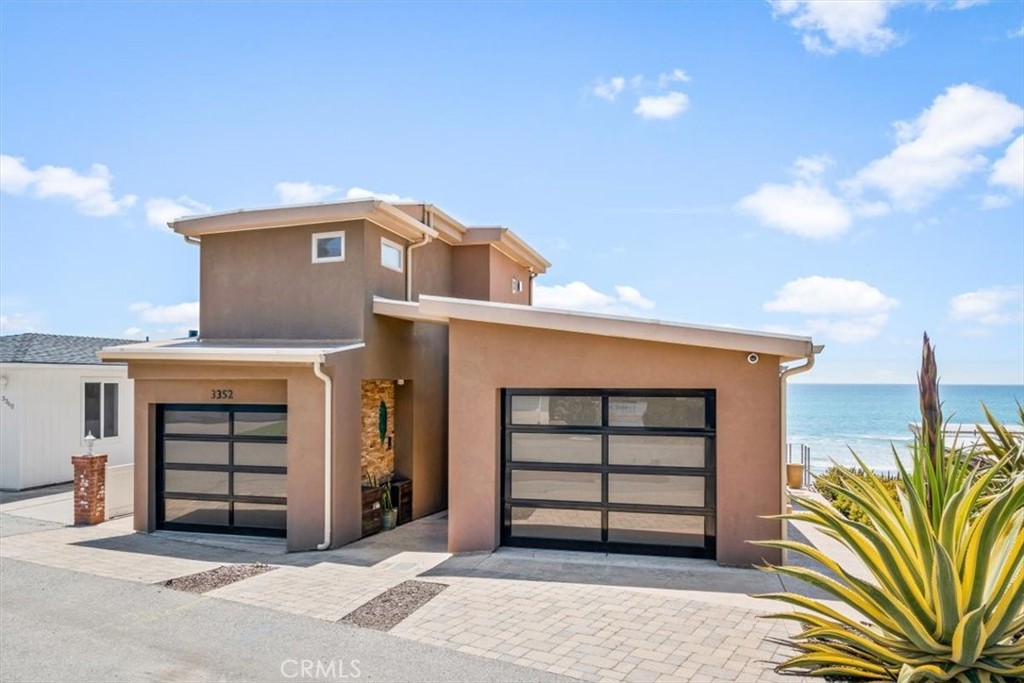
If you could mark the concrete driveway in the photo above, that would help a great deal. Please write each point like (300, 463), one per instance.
(583, 615)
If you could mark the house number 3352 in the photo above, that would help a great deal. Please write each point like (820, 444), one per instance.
(222, 393)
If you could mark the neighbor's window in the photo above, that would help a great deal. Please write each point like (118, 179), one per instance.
(390, 254)
(328, 246)
(100, 417)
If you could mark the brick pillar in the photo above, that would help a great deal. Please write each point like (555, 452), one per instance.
(90, 488)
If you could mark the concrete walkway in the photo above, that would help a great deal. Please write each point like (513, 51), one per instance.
(589, 616)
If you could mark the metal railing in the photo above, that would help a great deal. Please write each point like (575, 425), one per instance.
(801, 453)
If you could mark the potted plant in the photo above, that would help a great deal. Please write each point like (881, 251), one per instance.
(388, 512)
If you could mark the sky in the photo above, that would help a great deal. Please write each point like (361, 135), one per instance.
(852, 171)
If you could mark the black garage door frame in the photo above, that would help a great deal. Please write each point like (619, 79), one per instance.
(229, 468)
(706, 431)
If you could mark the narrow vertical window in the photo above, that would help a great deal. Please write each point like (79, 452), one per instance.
(92, 410)
(109, 410)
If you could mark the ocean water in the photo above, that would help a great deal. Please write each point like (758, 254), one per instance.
(869, 418)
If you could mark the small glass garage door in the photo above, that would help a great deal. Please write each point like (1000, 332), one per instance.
(623, 471)
(222, 468)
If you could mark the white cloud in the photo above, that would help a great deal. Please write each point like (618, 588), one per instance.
(1016, 33)
(941, 146)
(579, 296)
(965, 4)
(992, 306)
(847, 311)
(303, 192)
(674, 76)
(995, 201)
(184, 314)
(666, 106)
(160, 211)
(90, 192)
(132, 333)
(804, 207)
(828, 26)
(17, 323)
(1009, 171)
(817, 295)
(610, 88)
(360, 193)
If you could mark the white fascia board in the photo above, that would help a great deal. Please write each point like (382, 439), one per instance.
(224, 354)
(785, 346)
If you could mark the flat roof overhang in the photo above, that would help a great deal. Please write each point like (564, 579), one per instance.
(255, 351)
(435, 309)
(374, 210)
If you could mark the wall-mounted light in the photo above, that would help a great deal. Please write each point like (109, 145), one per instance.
(752, 358)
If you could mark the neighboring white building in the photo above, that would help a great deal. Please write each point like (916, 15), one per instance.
(54, 392)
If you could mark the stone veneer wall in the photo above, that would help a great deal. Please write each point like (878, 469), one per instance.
(378, 460)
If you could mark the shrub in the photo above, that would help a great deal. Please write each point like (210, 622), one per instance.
(946, 598)
(832, 485)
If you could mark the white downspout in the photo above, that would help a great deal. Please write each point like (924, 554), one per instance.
(783, 376)
(427, 220)
(191, 240)
(319, 372)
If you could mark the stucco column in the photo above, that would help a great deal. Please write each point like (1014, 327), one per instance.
(90, 488)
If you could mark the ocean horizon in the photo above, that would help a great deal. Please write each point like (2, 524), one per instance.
(871, 419)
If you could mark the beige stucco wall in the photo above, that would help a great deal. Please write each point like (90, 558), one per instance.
(262, 284)
(486, 358)
(303, 392)
(482, 272)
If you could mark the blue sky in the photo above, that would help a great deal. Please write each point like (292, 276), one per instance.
(853, 171)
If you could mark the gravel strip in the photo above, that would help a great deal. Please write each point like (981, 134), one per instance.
(215, 578)
(388, 609)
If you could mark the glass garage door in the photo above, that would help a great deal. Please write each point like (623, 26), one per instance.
(222, 468)
(621, 471)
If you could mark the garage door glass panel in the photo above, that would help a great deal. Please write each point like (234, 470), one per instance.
(549, 523)
(196, 452)
(657, 412)
(196, 512)
(576, 411)
(260, 515)
(656, 451)
(566, 448)
(261, 424)
(655, 529)
(260, 484)
(656, 489)
(196, 481)
(195, 422)
(261, 454)
(547, 485)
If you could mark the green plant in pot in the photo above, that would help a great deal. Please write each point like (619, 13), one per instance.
(388, 512)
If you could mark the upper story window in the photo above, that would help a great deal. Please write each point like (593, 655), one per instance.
(100, 410)
(328, 246)
(517, 285)
(391, 254)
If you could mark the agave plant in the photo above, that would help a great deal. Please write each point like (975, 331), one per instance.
(945, 601)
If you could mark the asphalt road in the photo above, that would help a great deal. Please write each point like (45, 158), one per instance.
(57, 625)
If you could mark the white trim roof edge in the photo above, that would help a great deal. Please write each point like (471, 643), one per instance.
(249, 354)
(442, 309)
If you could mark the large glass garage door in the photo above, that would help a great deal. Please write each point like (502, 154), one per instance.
(222, 468)
(623, 471)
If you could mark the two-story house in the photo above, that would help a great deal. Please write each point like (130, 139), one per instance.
(362, 338)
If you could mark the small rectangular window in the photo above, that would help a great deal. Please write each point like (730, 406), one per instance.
(328, 246)
(390, 254)
(100, 410)
(92, 410)
(517, 285)
(109, 410)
